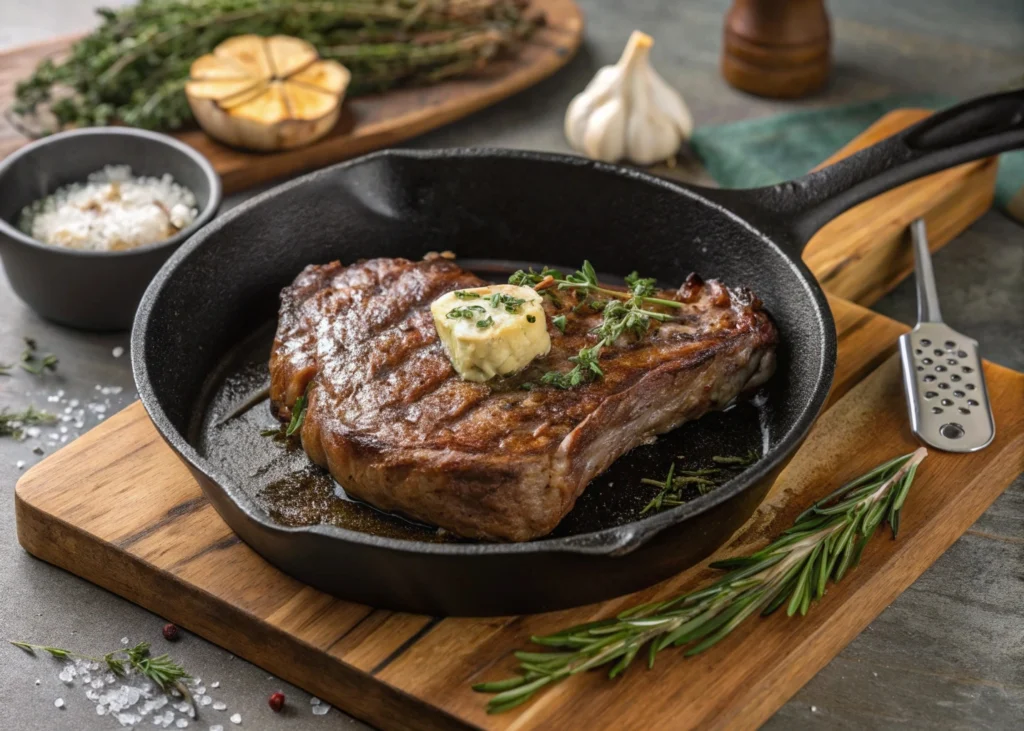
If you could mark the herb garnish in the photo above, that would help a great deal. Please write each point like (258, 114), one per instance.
(463, 294)
(531, 278)
(704, 480)
(510, 303)
(36, 364)
(531, 319)
(824, 542)
(298, 414)
(11, 423)
(468, 312)
(623, 313)
(5, 369)
(486, 322)
(161, 669)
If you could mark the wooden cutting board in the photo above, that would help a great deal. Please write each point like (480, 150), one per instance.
(367, 122)
(117, 508)
(133, 520)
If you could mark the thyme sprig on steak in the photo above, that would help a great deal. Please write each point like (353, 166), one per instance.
(622, 313)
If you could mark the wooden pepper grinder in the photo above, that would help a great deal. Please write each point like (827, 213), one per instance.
(777, 48)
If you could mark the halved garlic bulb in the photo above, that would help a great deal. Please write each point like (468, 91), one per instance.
(266, 93)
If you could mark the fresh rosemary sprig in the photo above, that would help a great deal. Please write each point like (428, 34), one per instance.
(11, 423)
(162, 670)
(133, 67)
(704, 480)
(825, 541)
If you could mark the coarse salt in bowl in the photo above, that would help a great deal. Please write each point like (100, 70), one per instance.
(96, 266)
(112, 211)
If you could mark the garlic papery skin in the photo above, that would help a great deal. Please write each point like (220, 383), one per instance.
(628, 112)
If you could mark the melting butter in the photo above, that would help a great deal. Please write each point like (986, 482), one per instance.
(491, 331)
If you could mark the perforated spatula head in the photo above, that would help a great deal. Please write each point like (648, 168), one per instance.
(942, 372)
(945, 386)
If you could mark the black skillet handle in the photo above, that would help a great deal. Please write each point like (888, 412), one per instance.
(795, 210)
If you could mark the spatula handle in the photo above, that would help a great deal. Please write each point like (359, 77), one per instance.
(927, 292)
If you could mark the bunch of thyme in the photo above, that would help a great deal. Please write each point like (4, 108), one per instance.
(824, 542)
(133, 68)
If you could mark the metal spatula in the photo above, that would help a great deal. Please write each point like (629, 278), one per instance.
(942, 375)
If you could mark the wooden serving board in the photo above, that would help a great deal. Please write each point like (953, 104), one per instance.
(119, 509)
(133, 520)
(367, 122)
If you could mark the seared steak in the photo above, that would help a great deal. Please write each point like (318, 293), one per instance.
(398, 428)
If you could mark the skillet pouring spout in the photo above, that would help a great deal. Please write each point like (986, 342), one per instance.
(496, 206)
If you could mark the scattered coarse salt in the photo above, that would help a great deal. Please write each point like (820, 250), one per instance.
(117, 352)
(59, 703)
(236, 718)
(20, 464)
(111, 211)
(321, 709)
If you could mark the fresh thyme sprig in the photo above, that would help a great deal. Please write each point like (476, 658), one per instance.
(5, 369)
(825, 541)
(623, 313)
(704, 480)
(161, 669)
(34, 363)
(11, 423)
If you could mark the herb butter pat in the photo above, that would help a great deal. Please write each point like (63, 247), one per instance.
(491, 331)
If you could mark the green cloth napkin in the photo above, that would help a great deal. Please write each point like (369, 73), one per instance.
(759, 152)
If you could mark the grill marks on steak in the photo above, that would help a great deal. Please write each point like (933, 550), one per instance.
(394, 423)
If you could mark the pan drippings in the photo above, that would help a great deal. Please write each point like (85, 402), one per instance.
(279, 477)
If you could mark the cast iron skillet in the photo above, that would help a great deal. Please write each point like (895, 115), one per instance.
(533, 207)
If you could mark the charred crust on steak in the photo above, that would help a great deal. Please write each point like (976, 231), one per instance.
(391, 420)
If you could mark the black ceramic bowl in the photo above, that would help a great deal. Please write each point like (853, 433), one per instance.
(95, 290)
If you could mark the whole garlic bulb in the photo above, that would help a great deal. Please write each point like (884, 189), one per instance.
(628, 111)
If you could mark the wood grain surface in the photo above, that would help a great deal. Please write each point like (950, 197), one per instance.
(134, 521)
(367, 122)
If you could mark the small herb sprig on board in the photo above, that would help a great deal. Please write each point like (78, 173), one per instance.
(161, 669)
(11, 423)
(622, 313)
(34, 363)
(704, 480)
(5, 369)
(825, 542)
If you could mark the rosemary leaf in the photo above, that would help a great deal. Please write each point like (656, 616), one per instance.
(298, 415)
